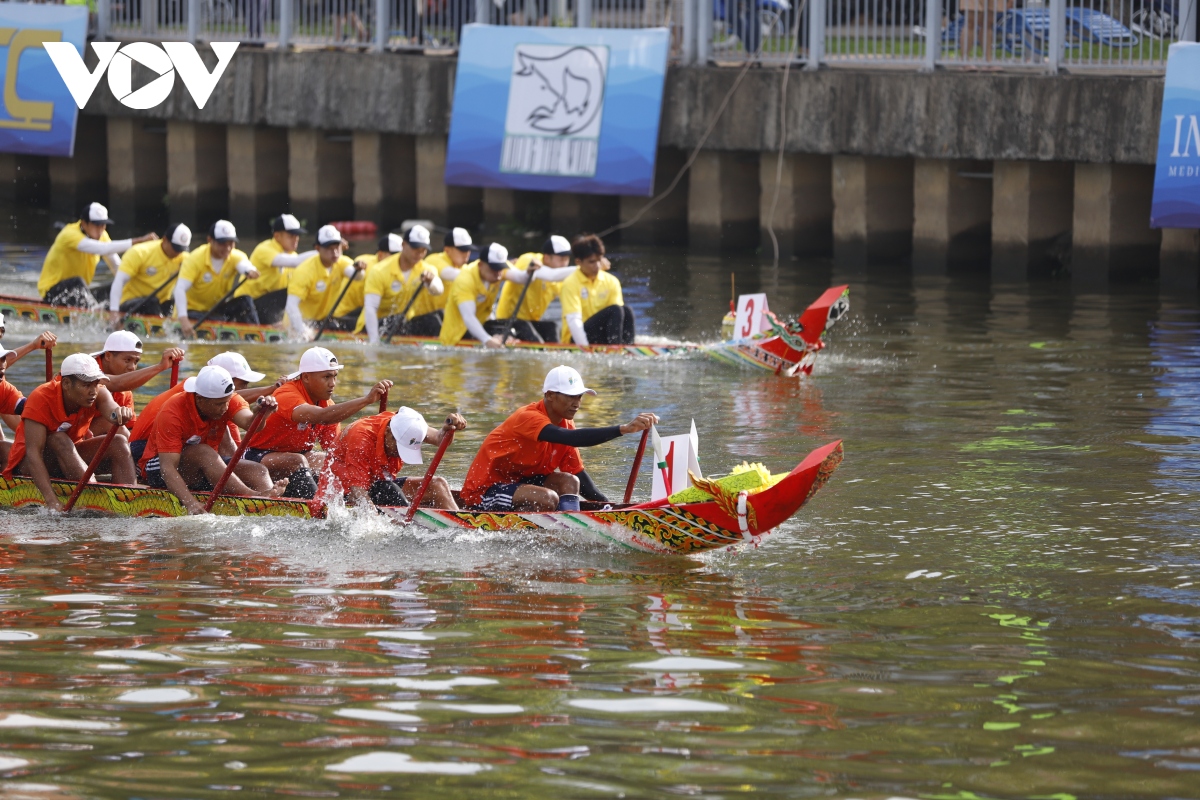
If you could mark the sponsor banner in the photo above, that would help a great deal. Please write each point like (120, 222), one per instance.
(1177, 173)
(38, 116)
(557, 109)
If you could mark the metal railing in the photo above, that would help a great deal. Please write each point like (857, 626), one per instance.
(1048, 35)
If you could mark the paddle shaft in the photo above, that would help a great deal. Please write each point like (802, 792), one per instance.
(259, 416)
(409, 305)
(236, 285)
(336, 303)
(508, 327)
(174, 373)
(637, 465)
(91, 468)
(49, 364)
(152, 294)
(383, 403)
(447, 438)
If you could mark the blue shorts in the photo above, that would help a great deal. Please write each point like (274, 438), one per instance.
(499, 496)
(137, 448)
(152, 477)
(256, 455)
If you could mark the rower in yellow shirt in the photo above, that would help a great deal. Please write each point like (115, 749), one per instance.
(70, 264)
(458, 250)
(349, 312)
(316, 284)
(529, 325)
(208, 275)
(148, 267)
(473, 293)
(593, 307)
(275, 259)
(393, 283)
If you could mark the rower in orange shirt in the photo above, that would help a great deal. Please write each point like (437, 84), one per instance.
(181, 453)
(307, 416)
(53, 438)
(11, 404)
(366, 459)
(119, 360)
(530, 462)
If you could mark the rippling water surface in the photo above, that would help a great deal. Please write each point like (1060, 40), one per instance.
(996, 595)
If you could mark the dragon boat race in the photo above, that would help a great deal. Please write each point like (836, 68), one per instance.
(600, 398)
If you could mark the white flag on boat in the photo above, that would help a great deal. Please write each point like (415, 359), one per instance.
(751, 310)
(673, 457)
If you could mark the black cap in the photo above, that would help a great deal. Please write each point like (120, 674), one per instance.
(287, 224)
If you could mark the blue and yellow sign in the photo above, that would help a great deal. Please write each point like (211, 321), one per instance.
(39, 115)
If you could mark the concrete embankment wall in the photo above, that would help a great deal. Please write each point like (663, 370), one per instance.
(1024, 172)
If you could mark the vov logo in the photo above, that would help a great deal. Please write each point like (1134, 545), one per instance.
(165, 61)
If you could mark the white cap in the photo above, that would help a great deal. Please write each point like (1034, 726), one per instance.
(395, 243)
(223, 231)
(497, 254)
(181, 237)
(287, 224)
(236, 365)
(211, 382)
(328, 235)
(316, 359)
(82, 366)
(121, 342)
(5, 354)
(97, 213)
(565, 380)
(418, 236)
(557, 246)
(459, 238)
(409, 428)
(1, 320)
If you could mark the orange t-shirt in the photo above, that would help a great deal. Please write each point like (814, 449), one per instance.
(45, 405)
(512, 452)
(120, 398)
(179, 423)
(10, 397)
(360, 457)
(145, 420)
(283, 435)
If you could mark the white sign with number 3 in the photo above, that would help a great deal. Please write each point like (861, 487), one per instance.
(750, 310)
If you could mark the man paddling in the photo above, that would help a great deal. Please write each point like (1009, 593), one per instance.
(206, 277)
(593, 307)
(53, 439)
(530, 462)
(119, 361)
(473, 293)
(275, 259)
(392, 283)
(366, 460)
(12, 402)
(458, 250)
(182, 450)
(44, 340)
(529, 325)
(307, 416)
(70, 263)
(146, 270)
(316, 284)
(349, 311)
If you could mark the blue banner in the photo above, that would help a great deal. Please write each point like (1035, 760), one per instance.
(38, 115)
(1177, 174)
(557, 109)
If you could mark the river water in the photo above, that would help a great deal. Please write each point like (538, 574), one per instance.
(995, 596)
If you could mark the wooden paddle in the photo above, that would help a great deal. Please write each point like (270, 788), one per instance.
(255, 424)
(404, 313)
(338, 302)
(637, 464)
(174, 373)
(383, 403)
(447, 438)
(49, 364)
(236, 284)
(91, 468)
(152, 294)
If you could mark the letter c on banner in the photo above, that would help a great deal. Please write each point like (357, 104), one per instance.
(120, 75)
(34, 115)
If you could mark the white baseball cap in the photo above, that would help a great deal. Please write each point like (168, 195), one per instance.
(181, 237)
(409, 428)
(211, 382)
(1, 320)
(5, 354)
(328, 235)
(121, 342)
(82, 366)
(316, 359)
(458, 237)
(557, 246)
(287, 224)
(223, 231)
(236, 365)
(97, 213)
(565, 380)
(418, 236)
(497, 254)
(395, 243)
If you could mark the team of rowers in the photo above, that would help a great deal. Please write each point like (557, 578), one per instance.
(402, 289)
(183, 439)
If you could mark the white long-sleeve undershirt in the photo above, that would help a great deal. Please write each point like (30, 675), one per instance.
(95, 247)
(448, 274)
(371, 317)
(467, 309)
(295, 317)
(118, 288)
(291, 260)
(575, 323)
(181, 289)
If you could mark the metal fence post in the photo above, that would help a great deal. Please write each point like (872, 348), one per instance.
(1058, 35)
(287, 10)
(816, 34)
(383, 25)
(1188, 10)
(193, 20)
(933, 34)
(690, 34)
(103, 15)
(583, 12)
(704, 28)
(482, 16)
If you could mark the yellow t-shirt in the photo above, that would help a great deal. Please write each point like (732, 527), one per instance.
(318, 287)
(467, 286)
(270, 279)
(537, 299)
(353, 301)
(148, 267)
(394, 289)
(208, 287)
(63, 261)
(431, 302)
(583, 296)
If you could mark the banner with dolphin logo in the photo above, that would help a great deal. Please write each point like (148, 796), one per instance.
(557, 109)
